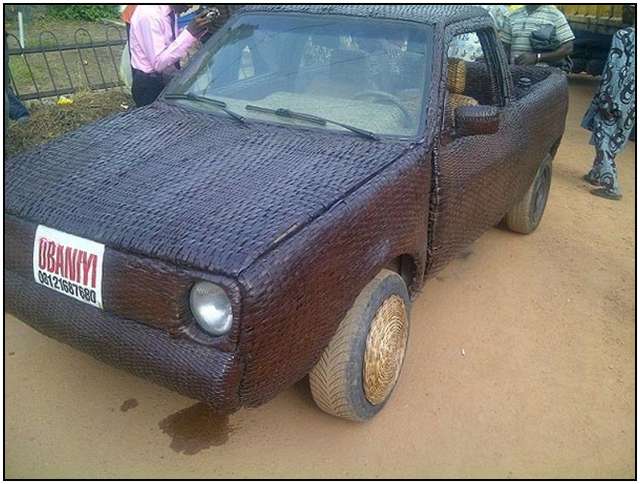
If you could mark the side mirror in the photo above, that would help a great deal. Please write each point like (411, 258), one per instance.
(476, 120)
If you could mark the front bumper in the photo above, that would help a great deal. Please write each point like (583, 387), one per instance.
(142, 326)
(189, 368)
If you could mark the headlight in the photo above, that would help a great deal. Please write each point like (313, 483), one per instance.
(211, 308)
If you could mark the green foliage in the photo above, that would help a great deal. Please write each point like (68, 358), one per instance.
(89, 12)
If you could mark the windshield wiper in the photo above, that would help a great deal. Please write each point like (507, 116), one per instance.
(311, 118)
(206, 100)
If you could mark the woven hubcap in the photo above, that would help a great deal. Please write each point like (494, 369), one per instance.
(384, 352)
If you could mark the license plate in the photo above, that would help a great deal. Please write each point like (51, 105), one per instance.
(68, 264)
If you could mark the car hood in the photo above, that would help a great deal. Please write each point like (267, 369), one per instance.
(190, 188)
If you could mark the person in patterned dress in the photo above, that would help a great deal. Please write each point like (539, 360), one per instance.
(612, 114)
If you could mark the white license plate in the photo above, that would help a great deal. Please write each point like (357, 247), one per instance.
(68, 264)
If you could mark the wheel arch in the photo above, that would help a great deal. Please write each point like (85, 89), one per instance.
(408, 267)
(554, 147)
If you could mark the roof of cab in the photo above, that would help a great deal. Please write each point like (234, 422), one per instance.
(428, 14)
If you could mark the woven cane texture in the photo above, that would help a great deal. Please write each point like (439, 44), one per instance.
(385, 348)
(455, 101)
(293, 222)
(456, 76)
(178, 364)
(293, 298)
(135, 288)
(478, 83)
(430, 14)
(156, 184)
(315, 276)
(479, 178)
(193, 190)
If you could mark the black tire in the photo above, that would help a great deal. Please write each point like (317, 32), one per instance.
(338, 381)
(526, 215)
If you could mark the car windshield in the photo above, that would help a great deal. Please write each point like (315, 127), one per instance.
(332, 72)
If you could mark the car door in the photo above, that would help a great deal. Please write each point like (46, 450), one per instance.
(474, 171)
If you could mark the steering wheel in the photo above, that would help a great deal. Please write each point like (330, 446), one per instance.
(387, 98)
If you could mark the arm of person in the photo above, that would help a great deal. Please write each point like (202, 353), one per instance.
(152, 42)
(560, 53)
(532, 58)
(564, 37)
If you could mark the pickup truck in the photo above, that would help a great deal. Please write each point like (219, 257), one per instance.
(275, 211)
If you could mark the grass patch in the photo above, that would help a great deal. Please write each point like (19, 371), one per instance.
(65, 69)
(63, 30)
(83, 12)
(91, 67)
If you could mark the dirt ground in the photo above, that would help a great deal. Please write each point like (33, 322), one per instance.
(545, 386)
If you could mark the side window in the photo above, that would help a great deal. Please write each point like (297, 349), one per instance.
(469, 79)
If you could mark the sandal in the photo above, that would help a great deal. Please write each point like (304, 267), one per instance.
(606, 193)
(590, 180)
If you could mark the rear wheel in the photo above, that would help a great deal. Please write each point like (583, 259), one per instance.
(525, 217)
(361, 365)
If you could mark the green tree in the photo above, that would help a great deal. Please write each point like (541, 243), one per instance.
(89, 13)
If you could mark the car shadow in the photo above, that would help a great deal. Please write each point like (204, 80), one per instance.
(302, 391)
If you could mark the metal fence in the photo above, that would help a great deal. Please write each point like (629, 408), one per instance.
(54, 69)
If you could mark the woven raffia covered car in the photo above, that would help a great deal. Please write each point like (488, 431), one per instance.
(272, 214)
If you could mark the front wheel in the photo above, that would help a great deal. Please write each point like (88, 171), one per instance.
(525, 217)
(361, 365)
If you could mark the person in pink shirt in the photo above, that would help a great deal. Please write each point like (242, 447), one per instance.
(156, 47)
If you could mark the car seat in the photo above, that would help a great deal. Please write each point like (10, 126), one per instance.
(456, 89)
